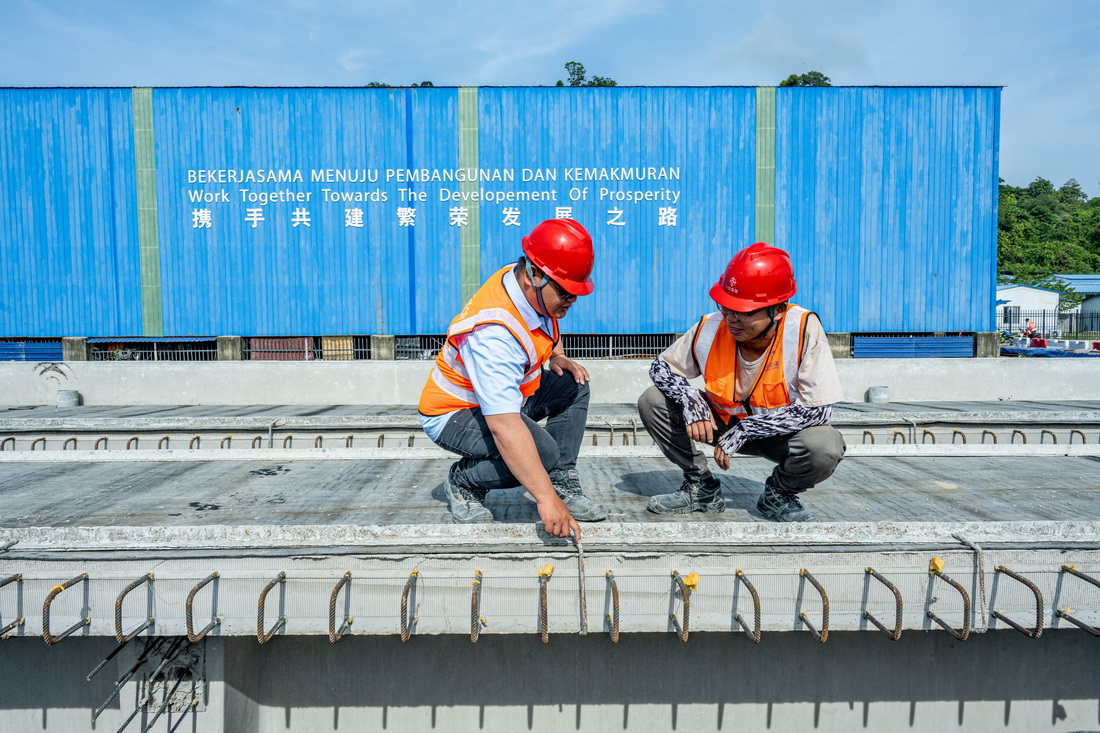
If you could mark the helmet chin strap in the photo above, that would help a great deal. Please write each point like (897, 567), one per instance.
(771, 323)
(530, 270)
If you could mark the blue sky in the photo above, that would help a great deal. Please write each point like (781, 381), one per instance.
(1045, 54)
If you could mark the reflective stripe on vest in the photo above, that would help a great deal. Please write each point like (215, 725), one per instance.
(449, 386)
(715, 352)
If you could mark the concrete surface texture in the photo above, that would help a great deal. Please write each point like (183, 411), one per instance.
(400, 382)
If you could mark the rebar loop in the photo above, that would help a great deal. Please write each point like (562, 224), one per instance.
(979, 555)
(288, 441)
(132, 443)
(1021, 433)
(18, 580)
(194, 443)
(613, 617)
(348, 441)
(899, 434)
(991, 433)
(164, 443)
(102, 440)
(1077, 432)
(868, 434)
(405, 621)
(823, 635)
(928, 434)
(257, 442)
(262, 636)
(74, 441)
(319, 441)
(634, 427)
(47, 636)
(896, 633)
(36, 441)
(1064, 612)
(959, 433)
(544, 615)
(122, 637)
(5, 441)
(685, 593)
(1044, 433)
(227, 442)
(755, 633)
(189, 613)
(476, 619)
(960, 635)
(1037, 631)
(381, 442)
(334, 634)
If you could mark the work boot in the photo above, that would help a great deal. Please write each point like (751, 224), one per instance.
(781, 506)
(467, 505)
(583, 509)
(693, 496)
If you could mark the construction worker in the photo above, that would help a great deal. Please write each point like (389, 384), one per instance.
(769, 387)
(488, 389)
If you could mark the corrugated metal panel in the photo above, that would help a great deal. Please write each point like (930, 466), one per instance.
(886, 198)
(289, 348)
(912, 346)
(30, 351)
(649, 277)
(152, 339)
(69, 252)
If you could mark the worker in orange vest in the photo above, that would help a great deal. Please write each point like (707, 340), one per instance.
(488, 389)
(769, 389)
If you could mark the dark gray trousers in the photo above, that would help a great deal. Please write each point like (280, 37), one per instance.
(803, 459)
(560, 400)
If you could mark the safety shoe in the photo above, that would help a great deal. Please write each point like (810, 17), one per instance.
(467, 505)
(693, 496)
(781, 506)
(583, 509)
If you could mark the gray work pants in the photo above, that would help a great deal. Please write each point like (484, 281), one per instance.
(803, 459)
(560, 400)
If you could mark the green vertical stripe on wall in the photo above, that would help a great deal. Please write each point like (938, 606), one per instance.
(470, 234)
(765, 164)
(145, 163)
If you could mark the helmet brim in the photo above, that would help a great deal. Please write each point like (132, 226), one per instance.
(743, 305)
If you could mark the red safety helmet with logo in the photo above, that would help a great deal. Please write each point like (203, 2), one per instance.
(562, 248)
(757, 277)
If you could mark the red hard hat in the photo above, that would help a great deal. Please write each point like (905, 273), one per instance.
(758, 276)
(562, 249)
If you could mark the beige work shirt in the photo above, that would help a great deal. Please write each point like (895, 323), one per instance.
(818, 381)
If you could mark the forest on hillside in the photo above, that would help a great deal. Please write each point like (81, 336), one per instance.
(1043, 230)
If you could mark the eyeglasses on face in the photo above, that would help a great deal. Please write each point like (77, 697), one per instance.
(738, 315)
(562, 292)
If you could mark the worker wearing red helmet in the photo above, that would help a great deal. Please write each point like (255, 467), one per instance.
(769, 387)
(488, 390)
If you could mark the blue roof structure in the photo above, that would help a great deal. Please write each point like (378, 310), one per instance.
(1082, 284)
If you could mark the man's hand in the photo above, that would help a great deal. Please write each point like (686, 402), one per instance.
(560, 363)
(721, 458)
(559, 522)
(702, 430)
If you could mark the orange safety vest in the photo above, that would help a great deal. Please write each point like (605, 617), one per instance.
(776, 385)
(449, 387)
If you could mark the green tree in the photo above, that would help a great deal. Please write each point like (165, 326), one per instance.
(577, 77)
(812, 79)
(1042, 230)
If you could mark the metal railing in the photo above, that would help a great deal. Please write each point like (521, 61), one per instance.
(1081, 326)
(307, 348)
(616, 346)
(155, 351)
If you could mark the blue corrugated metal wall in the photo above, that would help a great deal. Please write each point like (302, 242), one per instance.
(886, 197)
(68, 226)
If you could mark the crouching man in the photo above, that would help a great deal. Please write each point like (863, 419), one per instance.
(488, 389)
(769, 389)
